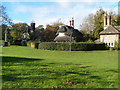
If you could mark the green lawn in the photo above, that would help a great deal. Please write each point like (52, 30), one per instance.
(25, 67)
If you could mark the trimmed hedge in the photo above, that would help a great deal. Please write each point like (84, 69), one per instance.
(53, 46)
(81, 46)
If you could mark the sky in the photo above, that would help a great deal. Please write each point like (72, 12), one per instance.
(50, 11)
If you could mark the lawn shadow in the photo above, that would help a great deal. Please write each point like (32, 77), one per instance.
(85, 66)
(8, 78)
(6, 59)
(51, 63)
(79, 73)
(95, 77)
(112, 70)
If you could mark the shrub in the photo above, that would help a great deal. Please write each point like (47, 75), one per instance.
(81, 46)
(33, 44)
(19, 42)
(117, 46)
(2, 43)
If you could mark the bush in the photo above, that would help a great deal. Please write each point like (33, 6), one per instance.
(2, 43)
(33, 44)
(81, 46)
(19, 42)
(117, 46)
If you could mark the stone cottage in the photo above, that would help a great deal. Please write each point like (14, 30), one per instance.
(111, 34)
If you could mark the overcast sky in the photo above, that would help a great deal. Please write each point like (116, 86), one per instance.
(49, 11)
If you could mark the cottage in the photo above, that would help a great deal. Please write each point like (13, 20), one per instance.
(67, 33)
(111, 34)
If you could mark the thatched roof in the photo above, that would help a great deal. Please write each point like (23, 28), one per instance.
(62, 39)
(62, 29)
(68, 31)
(111, 30)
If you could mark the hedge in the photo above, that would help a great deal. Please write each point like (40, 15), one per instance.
(81, 46)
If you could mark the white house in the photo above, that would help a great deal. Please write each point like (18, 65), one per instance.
(111, 34)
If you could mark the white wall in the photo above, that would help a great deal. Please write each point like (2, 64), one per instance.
(61, 34)
(109, 39)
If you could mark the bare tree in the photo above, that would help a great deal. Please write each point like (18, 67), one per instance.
(88, 24)
(4, 19)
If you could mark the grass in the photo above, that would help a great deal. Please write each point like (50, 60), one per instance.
(25, 67)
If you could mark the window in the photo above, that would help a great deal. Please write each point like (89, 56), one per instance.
(106, 20)
(111, 44)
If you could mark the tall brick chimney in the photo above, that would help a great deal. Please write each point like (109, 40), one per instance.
(107, 20)
(33, 26)
(72, 22)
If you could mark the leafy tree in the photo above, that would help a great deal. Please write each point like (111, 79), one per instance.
(93, 25)
(40, 27)
(38, 34)
(99, 23)
(51, 30)
(86, 35)
(17, 30)
(115, 20)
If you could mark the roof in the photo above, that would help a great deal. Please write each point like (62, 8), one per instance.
(66, 29)
(62, 39)
(62, 29)
(111, 30)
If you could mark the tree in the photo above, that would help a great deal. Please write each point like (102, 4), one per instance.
(86, 36)
(99, 23)
(5, 21)
(51, 30)
(88, 24)
(115, 20)
(93, 25)
(17, 30)
(38, 34)
(4, 17)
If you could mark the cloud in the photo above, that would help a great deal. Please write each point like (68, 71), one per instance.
(60, 1)
(16, 21)
(48, 14)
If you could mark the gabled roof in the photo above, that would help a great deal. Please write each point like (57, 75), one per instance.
(111, 30)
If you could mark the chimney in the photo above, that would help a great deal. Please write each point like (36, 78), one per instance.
(33, 26)
(72, 22)
(109, 20)
(105, 20)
